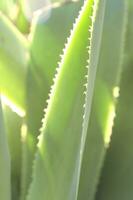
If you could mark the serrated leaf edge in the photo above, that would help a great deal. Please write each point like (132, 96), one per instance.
(55, 79)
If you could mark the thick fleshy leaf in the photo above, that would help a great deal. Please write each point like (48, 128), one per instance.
(5, 186)
(13, 61)
(56, 170)
(42, 67)
(47, 42)
(103, 104)
(13, 125)
(52, 33)
(117, 176)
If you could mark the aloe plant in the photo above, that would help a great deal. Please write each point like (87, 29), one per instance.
(66, 121)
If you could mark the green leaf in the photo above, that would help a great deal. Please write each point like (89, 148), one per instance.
(47, 41)
(21, 22)
(13, 61)
(5, 186)
(13, 125)
(6, 6)
(117, 175)
(56, 169)
(104, 102)
(48, 38)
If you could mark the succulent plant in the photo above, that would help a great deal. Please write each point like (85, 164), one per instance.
(66, 121)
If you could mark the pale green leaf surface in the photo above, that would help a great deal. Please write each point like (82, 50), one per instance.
(13, 125)
(48, 38)
(21, 22)
(13, 61)
(46, 43)
(5, 186)
(56, 165)
(117, 175)
(103, 104)
(6, 6)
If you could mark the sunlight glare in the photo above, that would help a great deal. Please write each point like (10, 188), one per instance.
(37, 7)
(12, 106)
